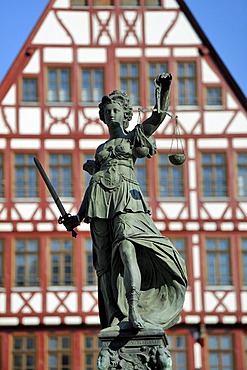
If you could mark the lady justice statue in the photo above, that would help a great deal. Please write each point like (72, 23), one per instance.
(141, 276)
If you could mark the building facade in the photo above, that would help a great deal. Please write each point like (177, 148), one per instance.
(78, 51)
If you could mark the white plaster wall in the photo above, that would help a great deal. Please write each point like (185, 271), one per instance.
(10, 97)
(77, 23)
(30, 120)
(156, 25)
(33, 65)
(58, 55)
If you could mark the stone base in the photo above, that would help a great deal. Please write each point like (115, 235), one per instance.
(127, 349)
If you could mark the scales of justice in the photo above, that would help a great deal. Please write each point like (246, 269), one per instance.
(142, 278)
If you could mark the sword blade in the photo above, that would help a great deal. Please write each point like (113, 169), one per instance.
(64, 214)
(50, 187)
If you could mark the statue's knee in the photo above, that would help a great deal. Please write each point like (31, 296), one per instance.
(127, 251)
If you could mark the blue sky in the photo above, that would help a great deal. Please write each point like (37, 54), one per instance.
(223, 21)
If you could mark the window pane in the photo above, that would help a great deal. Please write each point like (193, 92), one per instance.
(29, 90)
(129, 81)
(59, 88)
(218, 262)
(213, 96)
(60, 166)
(214, 174)
(24, 353)
(26, 262)
(92, 85)
(62, 261)
(242, 174)
(25, 176)
(178, 348)
(170, 178)
(187, 91)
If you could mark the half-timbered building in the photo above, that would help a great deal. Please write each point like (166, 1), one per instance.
(78, 51)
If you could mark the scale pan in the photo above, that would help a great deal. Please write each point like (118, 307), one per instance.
(177, 159)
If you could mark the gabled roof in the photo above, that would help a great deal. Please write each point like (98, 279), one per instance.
(215, 56)
(28, 49)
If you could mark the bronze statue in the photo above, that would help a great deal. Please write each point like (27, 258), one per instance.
(141, 276)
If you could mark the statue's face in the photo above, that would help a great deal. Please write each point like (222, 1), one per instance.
(114, 114)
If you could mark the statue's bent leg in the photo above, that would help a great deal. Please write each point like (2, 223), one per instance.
(132, 281)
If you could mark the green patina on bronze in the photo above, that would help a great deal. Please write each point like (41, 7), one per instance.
(141, 277)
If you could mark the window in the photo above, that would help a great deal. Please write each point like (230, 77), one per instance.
(213, 96)
(187, 94)
(61, 262)
(214, 175)
(26, 262)
(59, 85)
(152, 3)
(24, 353)
(242, 174)
(59, 353)
(129, 2)
(25, 176)
(1, 263)
(154, 70)
(1, 176)
(170, 178)
(244, 260)
(141, 174)
(218, 262)
(79, 2)
(90, 277)
(178, 348)
(91, 351)
(129, 81)
(61, 174)
(180, 245)
(102, 2)
(92, 85)
(220, 352)
(29, 90)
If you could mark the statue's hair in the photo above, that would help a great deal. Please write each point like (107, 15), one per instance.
(122, 99)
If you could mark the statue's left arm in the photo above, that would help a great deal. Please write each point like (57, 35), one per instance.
(162, 96)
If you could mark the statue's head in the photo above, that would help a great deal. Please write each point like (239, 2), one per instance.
(120, 98)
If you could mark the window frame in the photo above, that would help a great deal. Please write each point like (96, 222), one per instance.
(88, 252)
(237, 174)
(150, 88)
(59, 68)
(243, 262)
(25, 253)
(29, 77)
(129, 78)
(59, 351)
(59, 184)
(216, 252)
(187, 79)
(24, 352)
(171, 169)
(219, 350)
(213, 106)
(93, 351)
(62, 253)
(25, 166)
(92, 69)
(200, 172)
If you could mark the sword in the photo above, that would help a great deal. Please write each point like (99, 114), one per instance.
(64, 215)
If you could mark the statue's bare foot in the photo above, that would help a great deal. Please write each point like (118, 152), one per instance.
(135, 318)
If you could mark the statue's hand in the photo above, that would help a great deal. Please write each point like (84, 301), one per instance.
(71, 222)
(163, 80)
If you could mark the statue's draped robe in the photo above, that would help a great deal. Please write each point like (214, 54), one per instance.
(116, 210)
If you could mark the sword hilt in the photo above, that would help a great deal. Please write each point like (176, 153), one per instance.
(62, 220)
